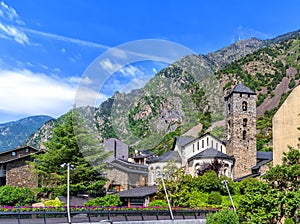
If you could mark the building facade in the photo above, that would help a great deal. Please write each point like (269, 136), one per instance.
(286, 122)
(240, 111)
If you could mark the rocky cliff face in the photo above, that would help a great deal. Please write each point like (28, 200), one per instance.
(191, 91)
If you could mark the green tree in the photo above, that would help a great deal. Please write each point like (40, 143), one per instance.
(278, 196)
(222, 217)
(72, 143)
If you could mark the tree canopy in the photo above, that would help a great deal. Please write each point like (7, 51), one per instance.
(72, 143)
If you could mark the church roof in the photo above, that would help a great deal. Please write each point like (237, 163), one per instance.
(166, 157)
(241, 88)
(182, 141)
(211, 153)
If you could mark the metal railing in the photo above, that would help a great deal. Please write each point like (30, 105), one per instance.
(89, 215)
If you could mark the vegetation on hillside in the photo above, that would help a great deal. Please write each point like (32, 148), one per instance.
(264, 72)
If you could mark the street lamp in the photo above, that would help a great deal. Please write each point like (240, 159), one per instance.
(225, 182)
(68, 189)
(166, 193)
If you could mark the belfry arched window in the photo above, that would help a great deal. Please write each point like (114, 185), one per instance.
(245, 122)
(244, 106)
(244, 135)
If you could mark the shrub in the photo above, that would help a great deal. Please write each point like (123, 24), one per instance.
(214, 198)
(107, 200)
(222, 217)
(288, 221)
(16, 196)
(54, 202)
(159, 203)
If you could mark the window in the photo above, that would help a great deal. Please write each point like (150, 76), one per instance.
(13, 153)
(212, 143)
(217, 145)
(241, 94)
(207, 141)
(245, 122)
(202, 143)
(244, 106)
(244, 135)
(221, 149)
(198, 147)
(27, 150)
(193, 147)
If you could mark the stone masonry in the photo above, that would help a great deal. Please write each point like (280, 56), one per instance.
(241, 129)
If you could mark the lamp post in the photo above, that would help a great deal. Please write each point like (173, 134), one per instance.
(225, 182)
(68, 190)
(166, 193)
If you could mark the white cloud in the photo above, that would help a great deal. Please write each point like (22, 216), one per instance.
(9, 32)
(9, 13)
(24, 92)
(109, 66)
(131, 71)
(246, 33)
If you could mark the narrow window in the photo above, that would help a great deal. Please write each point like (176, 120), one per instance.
(27, 150)
(244, 106)
(221, 149)
(212, 143)
(193, 147)
(115, 149)
(207, 142)
(241, 94)
(202, 143)
(217, 145)
(244, 135)
(198, 146)
(245, 122)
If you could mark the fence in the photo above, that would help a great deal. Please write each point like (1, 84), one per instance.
(89, 215)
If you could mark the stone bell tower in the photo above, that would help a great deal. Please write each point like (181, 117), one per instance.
(240, 110)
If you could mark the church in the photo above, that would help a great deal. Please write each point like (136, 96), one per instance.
(236, 154)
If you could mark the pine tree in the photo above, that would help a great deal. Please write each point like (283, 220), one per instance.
(72, 143)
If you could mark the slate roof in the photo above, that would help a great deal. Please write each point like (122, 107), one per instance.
(241, 88)
(166, 157)
(138, 192)
(262, 158)
(210, 153)
(129, 167)
(264, 155)
(182, 141)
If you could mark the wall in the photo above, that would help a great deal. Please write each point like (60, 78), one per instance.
(285, 124)
(18, 174)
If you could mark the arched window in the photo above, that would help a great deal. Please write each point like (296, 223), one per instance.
(244, 135)
(245, 122)
(244, 106)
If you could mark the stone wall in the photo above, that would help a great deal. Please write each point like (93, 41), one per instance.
(285, 124)
(18, 174)
(241, 138)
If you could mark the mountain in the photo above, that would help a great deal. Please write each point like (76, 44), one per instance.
(191, 91)
(15, 133)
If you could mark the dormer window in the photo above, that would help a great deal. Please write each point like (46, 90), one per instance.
(245, 122)
(244, 106)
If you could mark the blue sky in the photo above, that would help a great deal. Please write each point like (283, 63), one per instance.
(46, 46)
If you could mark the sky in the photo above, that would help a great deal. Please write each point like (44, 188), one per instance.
(47, 47)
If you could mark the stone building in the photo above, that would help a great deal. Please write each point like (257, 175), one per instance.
(240, 111)
(121, 174)
(285, 124)
(14, 169)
